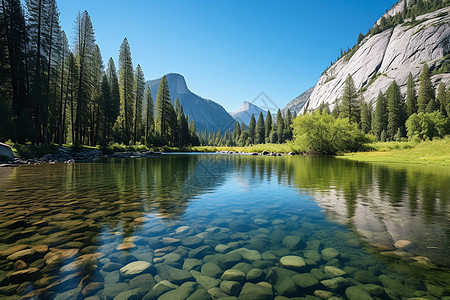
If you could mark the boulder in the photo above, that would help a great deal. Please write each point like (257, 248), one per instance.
(6, 153)
(136, 268)
(252, 291)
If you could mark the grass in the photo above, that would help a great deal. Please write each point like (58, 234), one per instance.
(436, 152)
(278, 148)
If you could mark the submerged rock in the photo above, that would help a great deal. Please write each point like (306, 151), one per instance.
(233, 275)
(329, 253)
(292, 262)
(305, 281)
(136, 268)
(252, 291)
(357, 293)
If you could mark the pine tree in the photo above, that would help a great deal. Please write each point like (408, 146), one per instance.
(349, 103)
(84, 48)
(411, 98)
(127, 97)
(162, 109)
(260, 134)
(114, 109)
(139, 89)
(442, 97)
(395, 110)
(268, 124)
(280, 127)
(237, 132)
(149, 115)
(379, 121)
(105, 107)
(426, 92)
(366, 116)
(251, 129)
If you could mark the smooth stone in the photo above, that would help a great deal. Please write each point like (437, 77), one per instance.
(240, 226)
(170, 241)
(282, 282)
(403, 244)
(191, 263)
(144, 281)
(357, 293)
(182, 229)
(199, 294)
(374, 289)
(333, 271)
(255, 275)
(221, 248)
(250, 255)
(268, 256)
(192, 241)
(205, 281)
(293, 242)
(110, 267)
(20, 265)
(133, 294)
(329, 253)
(112, 277)
(11, 250)
(199, 252)
(91, 288)
(292, 262)
(336, 283)
(242, 266)
(305, 281)
(135, 268)
(233, 275)
(126, 246)
(159, 289)
(229, 260)
(216, 293)
(180, 293)
(30, 274)
(211, 270)
(27, 255)
(171, 258)
(232, 288)
(174, 275)
(251, 291)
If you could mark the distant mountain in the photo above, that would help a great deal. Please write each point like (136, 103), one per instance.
(297, 104)
(207, 114)
(244, 113)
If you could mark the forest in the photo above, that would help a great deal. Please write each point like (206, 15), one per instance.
(53, 91)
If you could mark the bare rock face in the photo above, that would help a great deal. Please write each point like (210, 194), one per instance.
(387, 56)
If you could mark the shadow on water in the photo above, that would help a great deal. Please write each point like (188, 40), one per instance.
(65, 221)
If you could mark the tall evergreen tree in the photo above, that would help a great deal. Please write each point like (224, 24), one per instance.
(260, 134)
(426, 92)
(139, 89)
(105, 105)
(113, 82)
(442, 97)
(127, 98)
(149, 115)
(380, 117)
(411, 97)
(280, 127)
(237, 132)
(349, 103)
(395, 110)
(252, 129)
(162, 110)
(268, 124)
(366, 116)
(84, 48)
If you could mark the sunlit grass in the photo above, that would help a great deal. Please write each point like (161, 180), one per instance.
(430, 152)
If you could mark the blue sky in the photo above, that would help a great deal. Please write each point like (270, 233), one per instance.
(229, 50)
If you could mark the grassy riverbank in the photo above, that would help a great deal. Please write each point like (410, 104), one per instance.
(435, 152)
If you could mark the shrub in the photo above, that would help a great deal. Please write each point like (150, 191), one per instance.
(426, 126)
(321, 133)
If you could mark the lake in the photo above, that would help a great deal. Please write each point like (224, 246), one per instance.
(211, 226)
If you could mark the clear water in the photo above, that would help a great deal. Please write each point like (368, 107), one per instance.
(71, 231)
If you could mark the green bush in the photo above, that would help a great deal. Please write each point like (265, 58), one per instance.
(426, 126)
(31, 151)
(321, 133)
